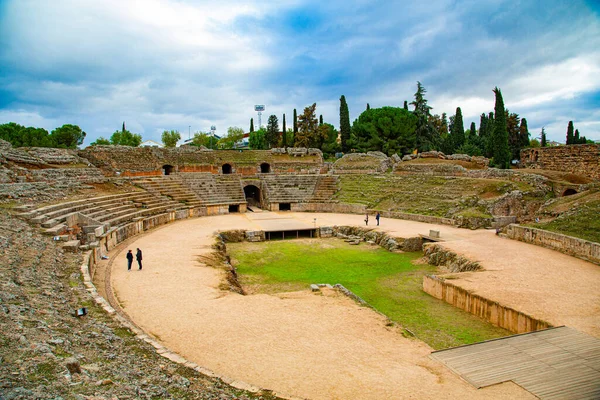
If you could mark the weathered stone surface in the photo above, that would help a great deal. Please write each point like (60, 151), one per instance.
(581, 159)
(408, 157)
(72, 365)
(431, 154)
(436, 254)
(396, 158)
(358, 234)
(460, 157)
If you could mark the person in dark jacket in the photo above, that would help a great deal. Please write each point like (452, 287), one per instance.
(129, 260)
(138, 257)
(377, 217)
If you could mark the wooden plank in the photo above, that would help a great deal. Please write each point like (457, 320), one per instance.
(555, 363)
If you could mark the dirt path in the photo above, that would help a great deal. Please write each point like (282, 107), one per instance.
(305, 344)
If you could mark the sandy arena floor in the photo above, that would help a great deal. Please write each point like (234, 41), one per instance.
(326, 346)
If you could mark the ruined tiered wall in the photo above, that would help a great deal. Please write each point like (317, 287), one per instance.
(147, 161)
(583, 159)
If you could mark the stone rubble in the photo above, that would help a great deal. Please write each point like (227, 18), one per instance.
(48, 353)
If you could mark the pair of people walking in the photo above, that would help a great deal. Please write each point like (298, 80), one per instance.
(138, 257)
(377, 216)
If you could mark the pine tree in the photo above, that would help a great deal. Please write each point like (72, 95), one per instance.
(272, 135)
(283, 134)
(576, 137)
(543, 135)
(295, 126)
(406, 105)
(344, 124)
(457, 134)
(420, 103)
(308, 128)
(570, 135)
(501, 152)
(251, 124)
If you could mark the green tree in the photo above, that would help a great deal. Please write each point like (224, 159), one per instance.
(457, 131)
(524, 133)
(234, 135)
(345, 129)
(11, 132)
(488, 141)
(514, 134)
(576, 139)
(501, 152)
(308, 128)
(387, 129)
(257, 141)
(204, 139)
(570, 134)
(251, 124)
(284, 141)
(368, 106)
(427, 137)
(125, 138)
(68, 136)
(101, 141)
(330, 144)
(320, 119)
(272, 136)
(170, 138)
(534, 143)
(543, 137)
(295, 130)
(406, 105)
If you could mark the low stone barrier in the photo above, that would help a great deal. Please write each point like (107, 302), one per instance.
(583, 249)
(499, 315)
(430, 219)
(341, 208)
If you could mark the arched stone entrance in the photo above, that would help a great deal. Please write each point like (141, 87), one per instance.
(569, 192)
(168, 169)
(226, 169)
(252, 194)
(265, 168)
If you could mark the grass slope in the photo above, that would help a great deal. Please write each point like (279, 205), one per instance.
(429, 195)
(390, 282)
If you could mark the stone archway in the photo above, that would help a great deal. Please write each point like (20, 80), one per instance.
(265, 168)
(252, 194)
(226, 169)
(168, 169)
(569, 192)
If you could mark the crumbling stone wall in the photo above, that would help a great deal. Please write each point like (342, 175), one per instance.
(137, 161)
(581, 159)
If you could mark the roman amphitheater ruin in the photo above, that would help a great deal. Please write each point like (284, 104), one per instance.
(181, 328)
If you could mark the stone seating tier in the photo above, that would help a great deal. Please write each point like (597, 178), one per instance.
(290, 188)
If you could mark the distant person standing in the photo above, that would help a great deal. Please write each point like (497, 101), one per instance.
(138, 257)
(129, 260)
(377, 218)
(367, 219)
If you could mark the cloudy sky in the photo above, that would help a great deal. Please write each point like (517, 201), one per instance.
(176, 64)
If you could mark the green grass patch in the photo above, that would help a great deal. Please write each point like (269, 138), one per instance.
(582, 222)
(439, 196)
(390, 282)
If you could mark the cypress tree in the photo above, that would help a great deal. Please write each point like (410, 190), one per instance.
(501, 152)
(320, 119)
(570, 135)
(576, 137)
(251, 124)
(457, 134)
(544, 142)
(284, 134)
(524, 134)
(344, 124)
(473, 130)
(406, 105)
(368, 107)
(295, 126)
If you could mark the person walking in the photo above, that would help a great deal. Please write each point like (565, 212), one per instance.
(367, 219)
(377, 218)
(138, 257)
(129, 260)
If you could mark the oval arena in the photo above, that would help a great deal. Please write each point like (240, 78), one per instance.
(173, 203)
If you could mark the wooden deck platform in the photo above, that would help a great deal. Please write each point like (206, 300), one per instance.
(556, 363)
